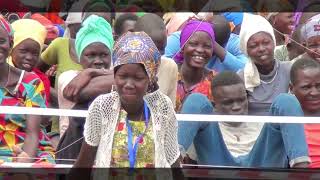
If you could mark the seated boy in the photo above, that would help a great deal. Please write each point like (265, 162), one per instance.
(240, 144)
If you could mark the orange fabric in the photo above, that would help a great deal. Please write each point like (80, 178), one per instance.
(41, 19)
(52, 31)
(54, 18)
(312, 132)
(54, 9)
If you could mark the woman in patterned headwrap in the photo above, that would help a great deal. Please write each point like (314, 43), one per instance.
(135, 125)
(20, 135)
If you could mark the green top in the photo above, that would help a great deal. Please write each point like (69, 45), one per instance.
(58, 53)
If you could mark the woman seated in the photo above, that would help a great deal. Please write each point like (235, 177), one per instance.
(27, 47)
(197, 43)
(264, 76)
(21, 135)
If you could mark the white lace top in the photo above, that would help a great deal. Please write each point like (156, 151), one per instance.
(101, 123)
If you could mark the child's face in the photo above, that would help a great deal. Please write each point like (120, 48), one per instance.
(313, 45)
(26, 55)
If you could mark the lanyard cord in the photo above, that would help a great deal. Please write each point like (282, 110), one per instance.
(133, 148)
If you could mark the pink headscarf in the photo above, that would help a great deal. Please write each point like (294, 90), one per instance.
(191, 27)
(177, 21)
(52, 31)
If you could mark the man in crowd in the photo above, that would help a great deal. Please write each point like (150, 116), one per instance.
(305, 85)
(241, 144)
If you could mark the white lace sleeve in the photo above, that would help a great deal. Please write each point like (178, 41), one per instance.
(171, 136)
(92, 126)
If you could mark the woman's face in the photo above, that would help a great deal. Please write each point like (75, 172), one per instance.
(26, 55)
(96, 55)
(131, 82)
(260, 48)
(284, 22)
(4, 45)
(198, 50)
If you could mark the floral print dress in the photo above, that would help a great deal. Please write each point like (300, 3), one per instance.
(29, 93)
(146, 148)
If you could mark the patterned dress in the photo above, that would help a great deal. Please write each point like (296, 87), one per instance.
(145, 153)
(203, 87)
(30, 93)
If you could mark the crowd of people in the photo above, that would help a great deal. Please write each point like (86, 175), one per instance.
(135, 72)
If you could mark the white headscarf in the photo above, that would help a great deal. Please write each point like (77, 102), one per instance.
(72, 18)
(311, 28)
(251, 25)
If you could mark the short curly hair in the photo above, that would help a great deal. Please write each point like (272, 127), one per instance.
(301, 64)
(120, 21)
(225, 78)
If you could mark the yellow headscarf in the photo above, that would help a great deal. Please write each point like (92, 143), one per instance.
(28, 29)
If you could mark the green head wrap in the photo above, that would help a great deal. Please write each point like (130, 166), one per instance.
(94, 29)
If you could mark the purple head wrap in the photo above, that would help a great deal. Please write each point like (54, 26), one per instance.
(191, 27)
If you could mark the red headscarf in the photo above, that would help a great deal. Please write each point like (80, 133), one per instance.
(6, 25)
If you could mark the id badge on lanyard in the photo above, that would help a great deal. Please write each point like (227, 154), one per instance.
(133, 148)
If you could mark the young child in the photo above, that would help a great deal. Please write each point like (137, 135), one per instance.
(124, 23)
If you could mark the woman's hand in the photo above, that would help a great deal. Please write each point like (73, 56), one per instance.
(52, 71)
(219, 51)
(22, 156)
(72, 90)
(31, 141)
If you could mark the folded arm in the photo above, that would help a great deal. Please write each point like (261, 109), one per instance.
(89, 84)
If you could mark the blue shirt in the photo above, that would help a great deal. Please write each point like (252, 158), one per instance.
(173, 44)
